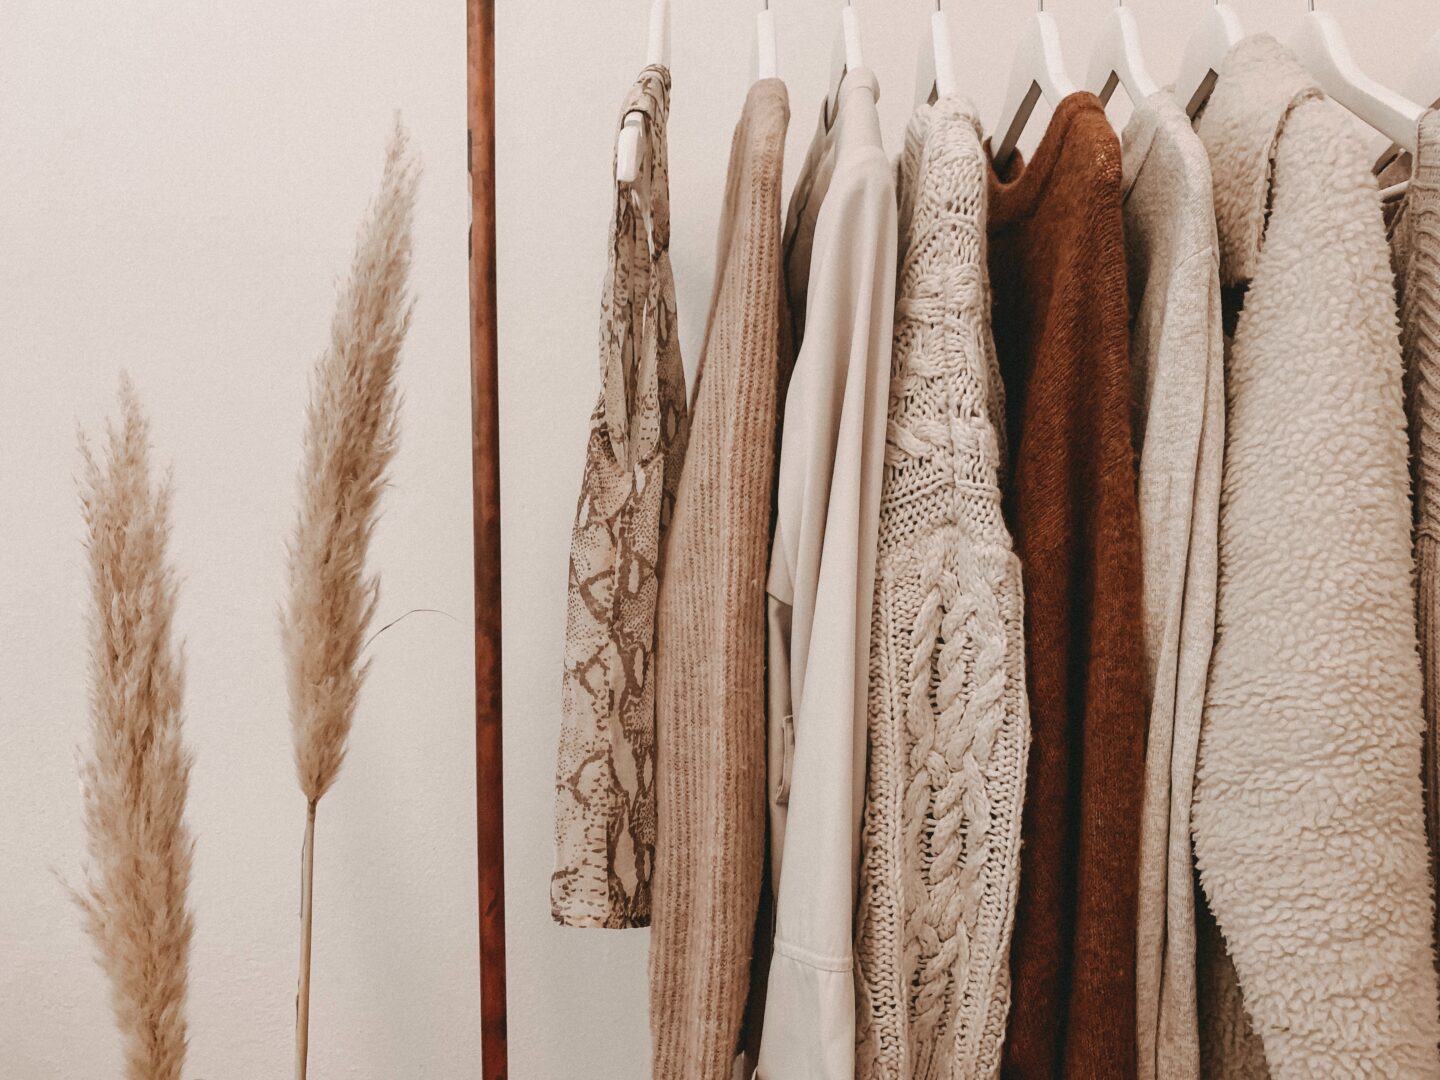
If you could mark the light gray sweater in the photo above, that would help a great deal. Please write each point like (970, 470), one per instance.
(1177, 356)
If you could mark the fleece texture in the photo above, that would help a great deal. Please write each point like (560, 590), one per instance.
(949, 721)
(1057, 270)
(1308, 821)
(710, 634)
(1177, 361)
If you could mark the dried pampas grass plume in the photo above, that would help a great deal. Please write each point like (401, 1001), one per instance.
(137, 772)
(351, 431)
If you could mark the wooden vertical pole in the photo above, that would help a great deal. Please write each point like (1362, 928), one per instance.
(485, 448)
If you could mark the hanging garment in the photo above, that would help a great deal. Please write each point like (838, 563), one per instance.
(1415, 255)
(840, 242)
(1308, 819)
(605, 778)
(949, 722)
(1177, 363)
(1057, 268)
(710, 637)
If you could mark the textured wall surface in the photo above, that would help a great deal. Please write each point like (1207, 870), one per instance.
(180, 190)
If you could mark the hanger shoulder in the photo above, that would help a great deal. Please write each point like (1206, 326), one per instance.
(1037, 71)
(935, 66)
(629, 149)
(1320, 46)
(1218, 31)
(767, 65)
(1117, 60)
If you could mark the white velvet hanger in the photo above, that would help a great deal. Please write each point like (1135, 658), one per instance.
(767, 65)
(935, 68)
(628, 150)
(847, 55)
(1218, 31)
(1117, 60)
(1038, 70)
(1320, 46)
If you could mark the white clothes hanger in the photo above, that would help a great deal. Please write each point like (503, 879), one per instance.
(1422, 86)
(1320, 46)
(1038, 70)
(767, 65)
(1117, 60)
(628, 150)
(847, 55)
(935, 69)
(1218, 31)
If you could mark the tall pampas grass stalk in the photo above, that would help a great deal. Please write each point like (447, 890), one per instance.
(351, 433)
(136, 774)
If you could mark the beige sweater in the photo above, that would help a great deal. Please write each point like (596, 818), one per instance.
(949, 721)
(840, 252)
(1308, 820)
(1415, 249)
(1177, 359)
(710, 646)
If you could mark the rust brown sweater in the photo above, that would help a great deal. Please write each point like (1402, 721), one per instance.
(1057, 267)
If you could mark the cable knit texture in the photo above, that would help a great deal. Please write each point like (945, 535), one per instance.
(605, 774)
(1057, 267)
(949, 722)
(1177, 358)
(710, 643)
(1308, 818)
(1415, 253)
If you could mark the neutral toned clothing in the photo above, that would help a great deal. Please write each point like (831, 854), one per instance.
(1057, 268)
(1177, 363)
(605, 776)
(1308, 817)
(1415, 255)
(949, 721)
(710, 638)
(821, 584)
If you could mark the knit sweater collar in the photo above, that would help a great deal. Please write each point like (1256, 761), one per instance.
(1260, 83)
(1016, 189)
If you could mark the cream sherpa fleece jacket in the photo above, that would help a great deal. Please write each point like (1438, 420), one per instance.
(1308, 824)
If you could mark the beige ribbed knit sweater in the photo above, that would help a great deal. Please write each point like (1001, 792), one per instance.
(1415, 253)
(949, 722)
(1177, 357)
(710, 645)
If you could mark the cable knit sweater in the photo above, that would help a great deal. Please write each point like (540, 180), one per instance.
(949, 723)
(1308, 818)
(1415, 253)
(1057, 267)
(710, 644)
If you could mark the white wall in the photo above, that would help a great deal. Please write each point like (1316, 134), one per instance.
(578, 998)
(180, 185)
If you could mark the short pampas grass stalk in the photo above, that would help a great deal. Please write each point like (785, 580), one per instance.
(351, 432)
(137, 771)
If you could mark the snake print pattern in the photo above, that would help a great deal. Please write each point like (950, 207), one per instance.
(605, 778)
